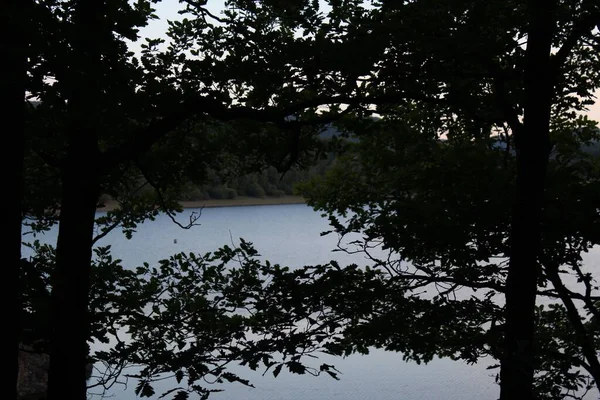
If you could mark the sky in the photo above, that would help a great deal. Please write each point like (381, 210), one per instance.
(167, 10)
(594, 112)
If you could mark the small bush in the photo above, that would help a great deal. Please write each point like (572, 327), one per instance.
(195, 194)
(217, 193)
(270, 189)
(230, 193)
(287, 189)
(254, 190)
(277, 193)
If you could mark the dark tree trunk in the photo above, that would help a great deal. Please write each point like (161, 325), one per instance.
(533, 146)
(80, 191)
(12, 96)
(71, 279)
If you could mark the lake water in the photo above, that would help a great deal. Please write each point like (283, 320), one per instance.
(289, 235)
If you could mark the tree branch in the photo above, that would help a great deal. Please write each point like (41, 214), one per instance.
(106, 231)
(118, 219)
(581, 334)
(159, 127)
(508, 110)
(581, 27)
(194, 216)
(588, 299)
(198, 6)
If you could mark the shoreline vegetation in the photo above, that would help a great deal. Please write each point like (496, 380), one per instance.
(240, 201)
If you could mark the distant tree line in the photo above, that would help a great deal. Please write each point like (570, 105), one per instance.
(271, 183)
(267, 183)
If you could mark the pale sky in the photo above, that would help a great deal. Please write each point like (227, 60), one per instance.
(167, 10)
(594, 112)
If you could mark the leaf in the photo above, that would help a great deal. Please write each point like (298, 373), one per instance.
(277, 370)
(181, 395)
(296, 368)
(179, 376)
(144, 389)
(333, 375)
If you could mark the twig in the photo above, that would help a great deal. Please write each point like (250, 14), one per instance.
(199, 7)
(194, 216)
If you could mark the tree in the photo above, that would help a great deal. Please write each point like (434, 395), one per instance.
(12, 91)
(186, 318)
(469, 57)
(101, 121)
(343, 310)
(434, 215)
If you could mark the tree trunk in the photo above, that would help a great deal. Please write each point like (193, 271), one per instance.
(80, 191)
(71, 279)
(533, 146)
(12, 115)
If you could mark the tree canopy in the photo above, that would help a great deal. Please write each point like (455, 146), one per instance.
(472, 176)
(439, 210)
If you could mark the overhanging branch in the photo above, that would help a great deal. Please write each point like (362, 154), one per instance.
(147, 136)
(581, 27)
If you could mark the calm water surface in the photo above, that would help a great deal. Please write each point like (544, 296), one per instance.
(289, 235)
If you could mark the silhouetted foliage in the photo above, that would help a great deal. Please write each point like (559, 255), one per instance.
(268, 78)
(433, 215)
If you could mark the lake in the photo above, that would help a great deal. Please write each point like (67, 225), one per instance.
(289, 235)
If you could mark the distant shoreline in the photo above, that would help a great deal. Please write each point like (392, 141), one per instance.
(240, 201)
